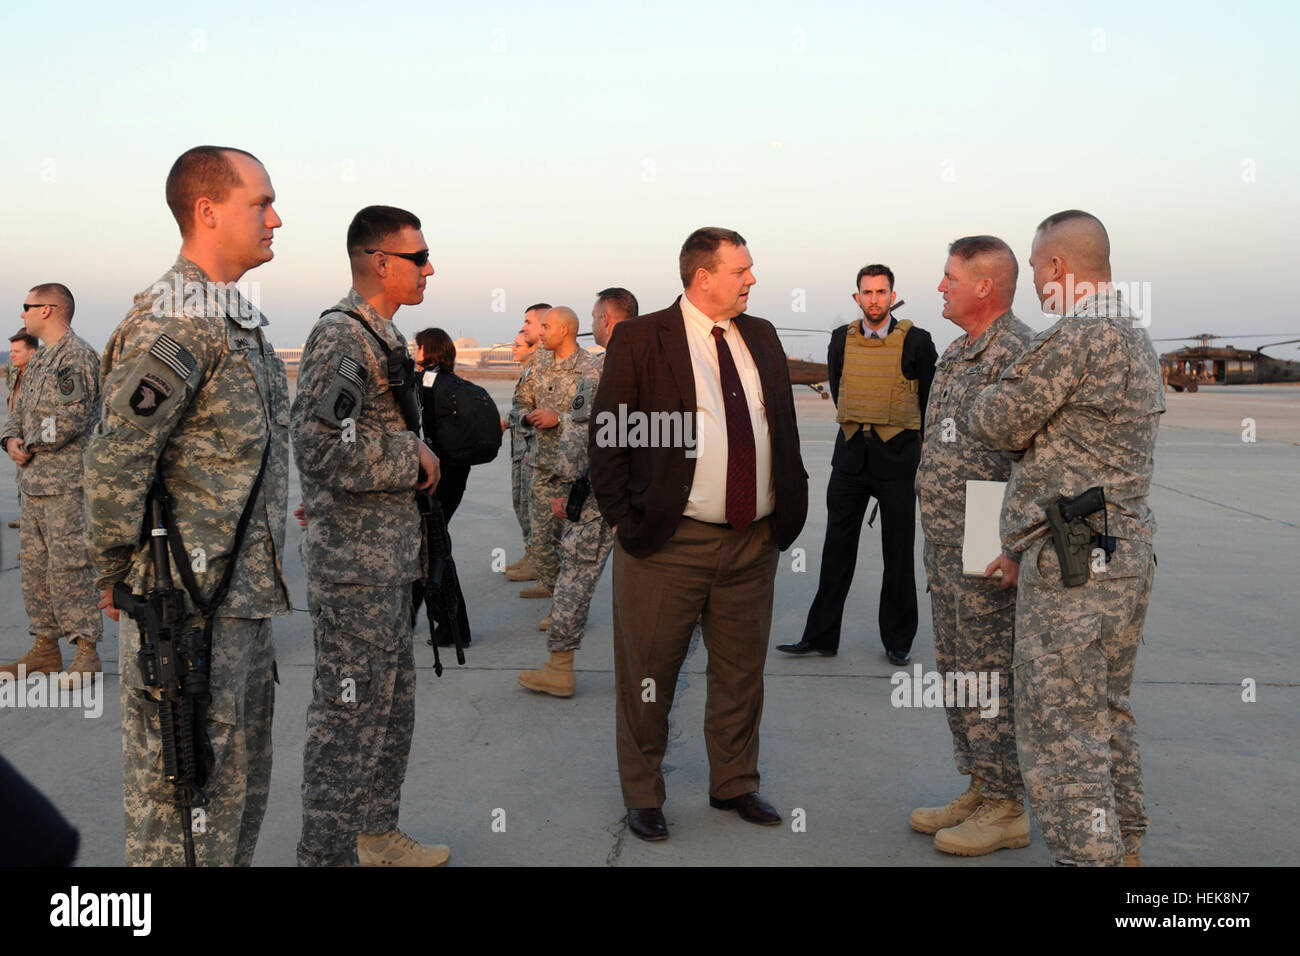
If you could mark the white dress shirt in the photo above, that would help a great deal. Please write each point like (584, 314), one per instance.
(708, 498)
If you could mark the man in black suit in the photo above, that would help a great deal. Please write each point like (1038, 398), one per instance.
(880, 374)
(695, 461)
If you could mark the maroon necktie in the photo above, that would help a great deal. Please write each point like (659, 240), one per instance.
(742, 495)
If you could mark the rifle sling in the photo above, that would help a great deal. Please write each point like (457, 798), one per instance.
(424, 587)
(207, 608)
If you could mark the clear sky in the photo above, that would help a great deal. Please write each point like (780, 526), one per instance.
(555, 149)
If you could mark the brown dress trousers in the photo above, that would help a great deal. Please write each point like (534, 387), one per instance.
(724, 580)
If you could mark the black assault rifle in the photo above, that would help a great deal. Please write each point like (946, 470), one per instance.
(439, 592)
(175, 660)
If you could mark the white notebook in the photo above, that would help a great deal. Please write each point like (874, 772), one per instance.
(982, 542)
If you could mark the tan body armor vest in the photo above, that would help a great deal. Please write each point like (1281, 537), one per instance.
(873, 389)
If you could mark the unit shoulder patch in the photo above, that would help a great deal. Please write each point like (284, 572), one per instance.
(149, 395)
(343, 396)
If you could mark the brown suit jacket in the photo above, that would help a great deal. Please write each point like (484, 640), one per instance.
(648, 369)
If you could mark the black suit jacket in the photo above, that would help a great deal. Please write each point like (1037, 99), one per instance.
(897, 458)
(648, 368)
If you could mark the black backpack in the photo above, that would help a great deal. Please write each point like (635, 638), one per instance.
(466, 423)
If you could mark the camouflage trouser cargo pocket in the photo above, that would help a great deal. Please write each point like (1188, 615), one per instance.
(360, 719)
(1076, 735)
(238, 722)
(343, 666)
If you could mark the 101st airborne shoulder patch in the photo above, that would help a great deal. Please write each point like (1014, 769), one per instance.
(150, 392)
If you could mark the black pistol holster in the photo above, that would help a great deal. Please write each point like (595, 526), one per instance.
(578, 496)
(1072, 537)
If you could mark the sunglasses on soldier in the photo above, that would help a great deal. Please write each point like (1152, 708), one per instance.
(420, 258)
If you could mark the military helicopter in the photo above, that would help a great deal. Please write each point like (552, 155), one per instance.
(1195, 365)
(814, 374)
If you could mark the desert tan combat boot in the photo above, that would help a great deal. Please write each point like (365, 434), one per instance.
(536, 590)
(85, 665)
(1133, 849)
(44, 657)
(545, 624)
(933, 819)
(526, 571)
(555, 677)
(395, 848)
(528, 553)
(995, 825)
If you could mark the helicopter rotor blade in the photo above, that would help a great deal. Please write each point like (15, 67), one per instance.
(780, 328)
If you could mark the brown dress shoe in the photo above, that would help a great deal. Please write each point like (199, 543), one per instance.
(751, 807)
(647, 823)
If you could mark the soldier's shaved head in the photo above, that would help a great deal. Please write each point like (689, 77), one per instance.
(1080, 239)
(61, 296)
(204, 172)
(560, 331)
(1070, 258)
(988, 257)
(562, 313)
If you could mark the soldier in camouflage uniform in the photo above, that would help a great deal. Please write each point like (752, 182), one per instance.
(194, 393)
(585, 543)
(22, 346)
(973, 617)
(1083, 402)
(46, 435)
(523, 444)
(363, 549)
(556, 371)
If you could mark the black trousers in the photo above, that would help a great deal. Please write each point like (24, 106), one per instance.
(450, 491)
(846, 505)
(451, 488)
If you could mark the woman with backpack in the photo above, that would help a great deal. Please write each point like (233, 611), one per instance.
(435, 356)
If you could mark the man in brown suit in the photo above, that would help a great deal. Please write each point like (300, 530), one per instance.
(695, 460)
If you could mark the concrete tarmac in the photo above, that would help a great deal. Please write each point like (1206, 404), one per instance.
(505, 776)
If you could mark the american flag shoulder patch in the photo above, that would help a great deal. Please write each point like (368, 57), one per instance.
(173, 355)
(353, 371)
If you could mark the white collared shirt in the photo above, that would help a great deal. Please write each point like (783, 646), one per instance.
(708, 497)
(880, 333)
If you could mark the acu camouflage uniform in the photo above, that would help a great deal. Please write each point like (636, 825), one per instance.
(523, 448)
(585, 543)
(1088, 395)
(553, 385)
(973, 618)
(56, 409)
(362, 549)
(194, 391)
